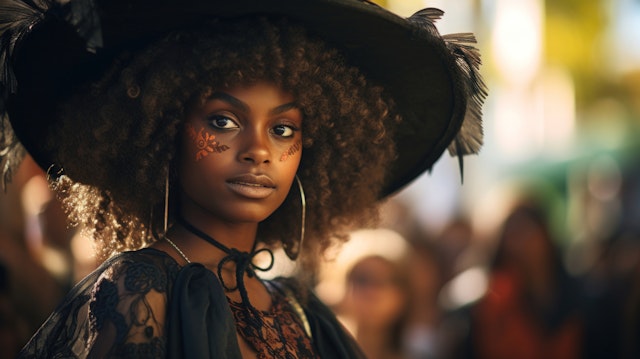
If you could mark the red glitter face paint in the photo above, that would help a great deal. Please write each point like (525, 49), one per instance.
(291, 151)
(205, 142)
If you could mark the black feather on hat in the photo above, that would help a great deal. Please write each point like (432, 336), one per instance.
(49, 48)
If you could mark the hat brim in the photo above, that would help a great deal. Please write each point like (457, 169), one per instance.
(413, 65)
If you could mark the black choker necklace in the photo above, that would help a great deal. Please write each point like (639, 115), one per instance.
(243, 261)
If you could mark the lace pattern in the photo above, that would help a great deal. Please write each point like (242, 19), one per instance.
(282, 334)
(119, 311)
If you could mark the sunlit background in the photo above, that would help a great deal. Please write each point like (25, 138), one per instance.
(561, 118)
(564, 78)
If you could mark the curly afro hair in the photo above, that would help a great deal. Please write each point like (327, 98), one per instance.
(123, 133)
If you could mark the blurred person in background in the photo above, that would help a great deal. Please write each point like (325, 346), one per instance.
(30, 291)
(57, 239)
(375, 304)
(530, 310)
(613, 282)
(613, 299)
(422, 337)
(455, 247)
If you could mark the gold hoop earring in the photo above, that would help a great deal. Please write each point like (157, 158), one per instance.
(166, 205)
(294, 254)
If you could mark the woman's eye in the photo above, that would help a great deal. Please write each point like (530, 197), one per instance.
(222, 122)
(284, 131)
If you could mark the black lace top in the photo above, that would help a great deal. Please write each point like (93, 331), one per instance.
(142, 304)
(282, 334)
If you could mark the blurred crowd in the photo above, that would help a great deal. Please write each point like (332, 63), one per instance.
(452, 297)
(403, 292)
(514, 292)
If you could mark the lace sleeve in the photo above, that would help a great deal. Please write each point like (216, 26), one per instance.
(127, 312)
(119, 311)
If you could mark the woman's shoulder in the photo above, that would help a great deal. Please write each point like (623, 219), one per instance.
(149, 256)
(138, 271)
(143, 264)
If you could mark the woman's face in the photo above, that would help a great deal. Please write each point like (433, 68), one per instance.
(241, 150)
(376, 297)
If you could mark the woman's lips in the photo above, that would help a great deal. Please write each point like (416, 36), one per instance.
(252, 186)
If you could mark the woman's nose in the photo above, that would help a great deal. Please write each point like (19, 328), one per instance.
(255, 147)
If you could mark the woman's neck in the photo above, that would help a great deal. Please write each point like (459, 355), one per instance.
(240, 236)
(198, 250)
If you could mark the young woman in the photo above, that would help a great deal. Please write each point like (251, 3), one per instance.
(531, 309)
(375, 303)
(189, 137)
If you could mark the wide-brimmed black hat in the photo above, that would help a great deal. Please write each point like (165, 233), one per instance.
(49, 49)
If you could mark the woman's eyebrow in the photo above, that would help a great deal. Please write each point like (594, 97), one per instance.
(223, 96)
(284, 108)
(235, 102)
